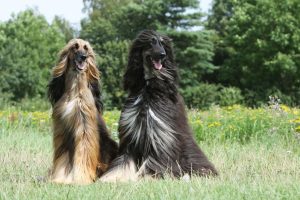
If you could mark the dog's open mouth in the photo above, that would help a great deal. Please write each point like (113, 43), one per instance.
(80, 65)
(156, 63)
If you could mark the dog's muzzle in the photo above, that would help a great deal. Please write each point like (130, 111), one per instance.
(158, 53)
(80, 58)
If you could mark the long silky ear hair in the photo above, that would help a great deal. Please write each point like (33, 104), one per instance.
(93, 78)
(169, 63)
(133, 79)
(92, 70)
(56, 86)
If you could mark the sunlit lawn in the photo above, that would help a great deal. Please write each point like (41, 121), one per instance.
(257, 153)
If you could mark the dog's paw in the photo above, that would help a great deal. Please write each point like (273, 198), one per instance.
(119, 175)
(186, 178)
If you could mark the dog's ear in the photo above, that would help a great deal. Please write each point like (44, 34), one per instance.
(93, 72)
(170, 60)
(134, 75)
(167, 44)
(62, 65)
(93, 78)
(95, 88)
(56, 88)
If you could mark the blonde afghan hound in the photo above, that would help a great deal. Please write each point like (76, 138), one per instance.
(82, 146)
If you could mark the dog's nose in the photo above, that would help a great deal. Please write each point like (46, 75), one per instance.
(159, 55)
(83, 57)
(162, 55)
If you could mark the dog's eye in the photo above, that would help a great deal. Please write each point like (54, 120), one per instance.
(153, 41)
(76, 45)
(85, 47)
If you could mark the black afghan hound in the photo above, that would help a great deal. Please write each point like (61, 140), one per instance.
(155, 138)
(82, 146)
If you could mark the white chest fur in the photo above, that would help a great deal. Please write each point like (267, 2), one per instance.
(161, 135)
(79, 98)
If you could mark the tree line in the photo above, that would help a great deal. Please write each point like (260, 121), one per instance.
(240, 53)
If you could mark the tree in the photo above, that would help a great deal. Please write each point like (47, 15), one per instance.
(112, 62)
(194, 52)
(100, 26)
(65, 27)
(167, 15)
(262, 40)
(29, 47)
(219, 16)
(118, 22)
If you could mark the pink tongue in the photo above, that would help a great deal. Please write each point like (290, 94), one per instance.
(80, 65)
(157, 64)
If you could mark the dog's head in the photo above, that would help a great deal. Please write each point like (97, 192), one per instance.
(79, 57)
(154, 53)
(150, 56)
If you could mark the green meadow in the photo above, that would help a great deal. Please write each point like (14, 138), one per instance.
(257, 153)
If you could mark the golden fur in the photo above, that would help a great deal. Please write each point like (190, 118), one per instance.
(76, 139)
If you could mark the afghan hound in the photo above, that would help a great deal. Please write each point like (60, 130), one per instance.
(82, 146)
(155, 138)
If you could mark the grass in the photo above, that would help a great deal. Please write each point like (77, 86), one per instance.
(255, 150)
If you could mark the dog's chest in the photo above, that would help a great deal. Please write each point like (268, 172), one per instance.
(78, 102)
(147, 126)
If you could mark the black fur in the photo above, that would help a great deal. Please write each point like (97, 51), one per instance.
(153, 127)
(56, 88)
(97, 95)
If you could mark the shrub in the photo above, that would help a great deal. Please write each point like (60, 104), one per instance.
(26, 104)
(28, 50)
(201, 96)
(229, 96)
(260, 97)
(285, 99)
(205, 95)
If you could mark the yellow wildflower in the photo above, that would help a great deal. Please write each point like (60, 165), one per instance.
(214, 124)
(285, 108)
(297, 128)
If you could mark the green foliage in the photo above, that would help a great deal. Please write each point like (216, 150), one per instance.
(100, 26)
(220, 15)
(258, 47)
(193, 52)
(65, 28)
(229, 96)
(157, 15)
(250, 45)
(111, 24)
(258, 98)
(232, 124)
(29, 47)
(241, 124)
(112, 61)
(201, 96)
(25, 104)
(205, 95)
